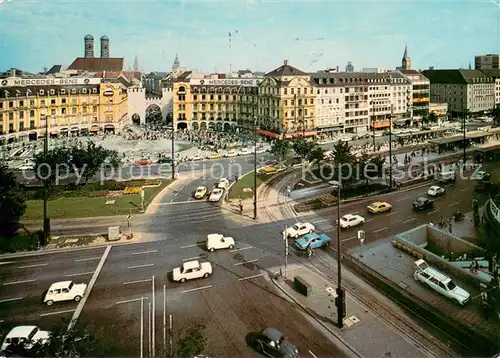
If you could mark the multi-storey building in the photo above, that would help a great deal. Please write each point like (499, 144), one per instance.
(287, 103)
(330, 118)
(402, 99)
(469, 91)
(486, 62)
(211, 103)
(72, 106)
(495, 74)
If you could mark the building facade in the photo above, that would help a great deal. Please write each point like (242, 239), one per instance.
(495, 74)
(487, 62)
(330, 112)
(439, 109)
(72, 106)
(465, 91)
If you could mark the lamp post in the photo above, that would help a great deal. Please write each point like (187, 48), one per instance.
(464, 138)
(172, 149)
(255, 168)
(46, 220)
(340, 299)
(390, 147)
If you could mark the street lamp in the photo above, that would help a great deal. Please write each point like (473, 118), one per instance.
(390, 147)
(340, 299)
(46, 220)
(255, 168)
(463, 119)
(172, 150)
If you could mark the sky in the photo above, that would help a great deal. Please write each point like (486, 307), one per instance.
(214, 36)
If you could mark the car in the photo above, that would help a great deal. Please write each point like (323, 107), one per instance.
(447, 176)
(351, 220)
(164, 160)
(218, 241)
(196, 157)
(214, 156)
(422, 203)
(435, 191)
(243, 151)
(200, 192)
(191, 270)
(379, 207)
(26, 336)
(230, 154)
(64, 291)
(223, 183)
(216, 194)
(299, 229)
(312, 241)
(483, 187)
(143, 161)
(272, 343)
(481, 175)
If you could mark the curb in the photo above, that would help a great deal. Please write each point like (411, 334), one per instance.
(306, 310)
(157, 198)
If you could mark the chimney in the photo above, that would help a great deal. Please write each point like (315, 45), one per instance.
(338, 69)
(285, 62)
(45, 70)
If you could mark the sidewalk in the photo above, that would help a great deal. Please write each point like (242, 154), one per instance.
(364, 332)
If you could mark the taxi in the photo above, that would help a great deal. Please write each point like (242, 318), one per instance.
(379, 207)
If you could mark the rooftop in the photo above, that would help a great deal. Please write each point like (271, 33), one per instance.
(97, 64)
(457, 76)
(285, 70)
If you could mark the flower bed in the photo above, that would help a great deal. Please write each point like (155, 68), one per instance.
(327, 199)
(98, 194)
(132, 190)
(115, 194)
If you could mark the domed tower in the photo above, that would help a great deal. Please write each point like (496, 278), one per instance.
(89, 46)
(104, 46)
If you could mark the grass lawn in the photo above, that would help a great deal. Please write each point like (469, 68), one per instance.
(63, 207)
(237, 192)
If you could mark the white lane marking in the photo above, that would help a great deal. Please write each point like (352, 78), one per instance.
(17, 282)
(11, 299)
(140, 266)
(80, 274)
(319, 221)
(393, 213)
(370, 220)
(453, 204)
(144, 252)
(196, 289)
(243, 248)
(7, 262)
(408, 221)
(433, 211)
(245, 262)
(194, 258)
(129, 301)
(465, 189)
(92, 282)
(188, 246)
(54, 313)
(88, 259)
(176, 202)
(139, 281)
(314, 355)
(250, 277)
(349, 238)
(31, 266)
(379, 230)
(402, 199)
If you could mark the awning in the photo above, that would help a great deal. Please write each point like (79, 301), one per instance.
(94, 129)
(75, 129)
(267, 133)
(64, 129)
(109, 126)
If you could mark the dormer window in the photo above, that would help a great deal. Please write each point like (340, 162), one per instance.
(94, 90)
(73, 91)
(63, 91)
(42, 92)
(84, 90)
(52, 92)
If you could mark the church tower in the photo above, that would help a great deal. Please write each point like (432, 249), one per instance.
(104, 46)
(406, 61)
(136, 64)
(176, 64)
(89, 46)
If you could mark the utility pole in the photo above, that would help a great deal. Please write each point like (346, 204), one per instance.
(153, 316)
(149, 329)
(171, 335)
(142, 328)
(173, 151)
(340, 299)
(463, 118)
(390, 147)
(165, 317)
(255, 168)
(373, 131)
(46, 220)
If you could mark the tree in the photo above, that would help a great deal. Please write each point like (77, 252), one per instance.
(90, 159)
(433, 117)
(344, 158)
(302, 147)
(192, 341)
(50, 166)
(316, 155)
(280, 148)
(12, 202)
(377, 165)
(495, 113)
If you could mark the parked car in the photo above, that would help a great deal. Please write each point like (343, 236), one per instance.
(447, 176)
(351, 220)
(299, 229)
(422, 203)
(481, 175)
(435, 191)
(312, 241)
(26, 336)
(196, 157)
(230, 154)
(440, 283)
(272, 343)
(164, 160)
(223, 183)
(65, 291)
(143, 162)
(214, 156)
(379, 207)
(216, 195)
(200, 192)
(243, 151)
(191, 270)
(483, 187)
(218, 241)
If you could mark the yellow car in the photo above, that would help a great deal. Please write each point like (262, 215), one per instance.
(213, 156)
(379, 207)
(200, 192)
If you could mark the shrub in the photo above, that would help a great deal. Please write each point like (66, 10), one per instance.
(327, 199)
(19, 243)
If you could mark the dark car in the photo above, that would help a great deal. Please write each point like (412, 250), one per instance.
(423, 203)
(272, 343)
(164, 160)
(483, 187)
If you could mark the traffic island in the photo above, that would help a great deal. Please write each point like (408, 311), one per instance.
(62, 242)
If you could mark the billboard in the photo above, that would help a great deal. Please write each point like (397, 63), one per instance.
(244, 82)
(25, 82)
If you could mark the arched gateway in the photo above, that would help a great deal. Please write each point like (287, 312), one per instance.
(141, 107)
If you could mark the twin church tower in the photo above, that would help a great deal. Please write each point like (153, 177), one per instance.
(89, 46)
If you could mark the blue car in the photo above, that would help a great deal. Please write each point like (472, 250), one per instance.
(314, 241)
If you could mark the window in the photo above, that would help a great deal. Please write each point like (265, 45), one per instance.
(73, 91)
(32, 102)
(42, 92)
(52, 101)
(32, 124)
(84, 90)
(52, 92)
(21, 126)
(73, 110)
(63, 110)
(11, 104)
(195, 97)
(11, 116)
(211, 97)
(94, 90)
(94, 109)
(21, 103)
(63, 101)
(53, 112)
(63, 91)
(21, 115)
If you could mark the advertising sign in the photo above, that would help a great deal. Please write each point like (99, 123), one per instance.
(245, 82)
(25, 82)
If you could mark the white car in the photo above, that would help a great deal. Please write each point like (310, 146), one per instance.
(216, 194)
(191, 270)
(27, 336)
(218, 241)
(299, 229)
(243, 151)
(230, 154)
(26, 166)
(480, 175)
(435, 191)
(200, 192)
(223, 183)
(65, 291)
(351, 220)
(196, 157)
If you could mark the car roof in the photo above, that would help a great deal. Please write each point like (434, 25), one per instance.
(216, 190)
(201, 188)
(421, 198)
(214, 236)
(299, 223)
(191, 264)
(349, 216)
(20, 331)
(434, 187)
(272, 333)
(310, 236)
(60, 285)
(377, 203)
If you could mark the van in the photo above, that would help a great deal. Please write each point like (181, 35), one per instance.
(440, 283)
(447, 176)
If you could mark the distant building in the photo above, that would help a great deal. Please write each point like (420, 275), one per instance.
(152, 82)
(487, 62)
(176, 64)
(349, 67)
(439, 109)
(375, 70)
(91, 64)
(495, 74)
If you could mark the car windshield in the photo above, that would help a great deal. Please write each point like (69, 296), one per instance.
(345, 218)
(296, 227)
(421, 200)
(32, 333)
(451, 285)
